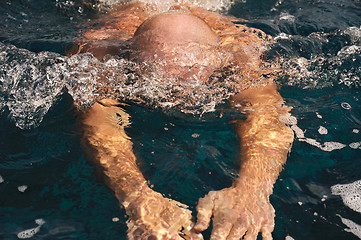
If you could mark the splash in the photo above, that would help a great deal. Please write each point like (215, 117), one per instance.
(323, 70)
(163, 6)
(31, 82)
(28, 84)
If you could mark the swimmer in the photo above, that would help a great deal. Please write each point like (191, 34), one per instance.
(240, 211)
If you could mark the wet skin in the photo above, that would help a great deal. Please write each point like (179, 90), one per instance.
(242, 210)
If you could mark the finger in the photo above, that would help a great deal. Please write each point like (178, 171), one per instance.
(267, 230)
(221, 229)
(266, 235)
(237, 232)
(205, 210)
(195, 235)
(251, 234)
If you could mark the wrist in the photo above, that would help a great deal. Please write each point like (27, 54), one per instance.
(132, 193)
(257, 186)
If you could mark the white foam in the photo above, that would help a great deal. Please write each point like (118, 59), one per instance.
(350, 194)
(318, 115)
(330, 146)
(281, 36)
(298, 131)
(349, 50)
(1, 179)
(288, 119)
(327, 146)
(287, 17)
(22, 188)
(354, 228)
(322, 130)
(310, 73)
(355, 145)
(354, 33)
(288, 237)
(29, 233)
(355, 131)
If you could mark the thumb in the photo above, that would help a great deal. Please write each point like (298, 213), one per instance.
(205, 211)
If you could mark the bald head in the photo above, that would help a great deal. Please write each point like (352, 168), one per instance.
(181, 41)
(172, 30)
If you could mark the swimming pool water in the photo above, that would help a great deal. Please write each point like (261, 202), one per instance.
(44, 174)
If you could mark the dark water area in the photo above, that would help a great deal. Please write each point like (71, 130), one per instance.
(44, 174)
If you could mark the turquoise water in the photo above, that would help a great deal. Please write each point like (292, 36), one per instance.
(45, 175)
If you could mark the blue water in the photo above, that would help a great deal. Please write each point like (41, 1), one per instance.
(184, 157)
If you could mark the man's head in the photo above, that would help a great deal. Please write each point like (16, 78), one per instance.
(180, 40)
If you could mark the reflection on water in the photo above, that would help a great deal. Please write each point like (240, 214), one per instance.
(43, 174)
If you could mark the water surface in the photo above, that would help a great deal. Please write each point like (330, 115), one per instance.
(44, 174)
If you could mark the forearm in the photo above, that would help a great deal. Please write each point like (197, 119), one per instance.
(110, 150)
(265, 139)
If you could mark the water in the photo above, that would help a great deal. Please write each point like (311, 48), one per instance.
(44, 175)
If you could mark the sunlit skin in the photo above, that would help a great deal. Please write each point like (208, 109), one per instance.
(242, 210)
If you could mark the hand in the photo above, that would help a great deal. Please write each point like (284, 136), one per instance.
(237, 212)
(151, 217)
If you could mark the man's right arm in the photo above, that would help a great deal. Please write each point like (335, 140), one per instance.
(110, 149)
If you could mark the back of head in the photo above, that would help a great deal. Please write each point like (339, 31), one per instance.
(168, 30)
(184, 43)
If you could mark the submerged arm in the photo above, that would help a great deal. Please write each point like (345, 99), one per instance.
(265, 139)
(244, 209)
(110, 150)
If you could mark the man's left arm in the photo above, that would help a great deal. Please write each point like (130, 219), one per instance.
(244, 209)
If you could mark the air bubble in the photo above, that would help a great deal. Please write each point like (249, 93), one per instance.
(318, 115)
(195, 135)
(345, 105)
